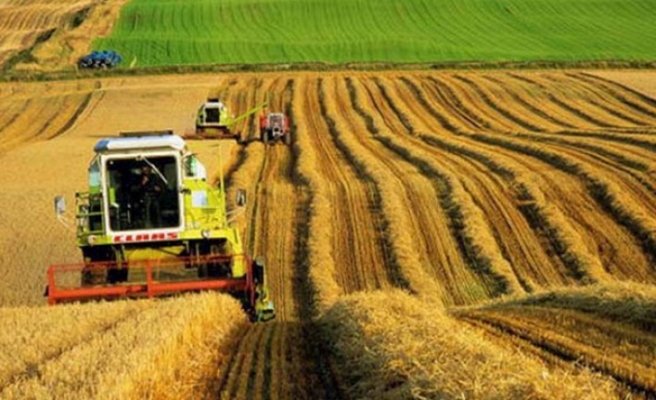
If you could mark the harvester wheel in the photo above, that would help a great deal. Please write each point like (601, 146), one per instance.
(265, 136)
(287, 138)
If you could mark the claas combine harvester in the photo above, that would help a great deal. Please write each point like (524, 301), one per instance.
(151, 224)
(213, 121)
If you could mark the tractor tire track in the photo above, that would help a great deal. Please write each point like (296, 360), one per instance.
(288, 348)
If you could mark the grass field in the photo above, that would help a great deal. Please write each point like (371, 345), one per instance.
(154, 32)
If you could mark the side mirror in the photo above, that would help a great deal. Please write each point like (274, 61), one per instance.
(60, 205)
(241, 197)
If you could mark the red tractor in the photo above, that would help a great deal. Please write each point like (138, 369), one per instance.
(275, 127)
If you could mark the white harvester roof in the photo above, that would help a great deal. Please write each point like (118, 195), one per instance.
(173, 142)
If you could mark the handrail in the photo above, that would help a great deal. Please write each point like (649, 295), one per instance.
(83, 212)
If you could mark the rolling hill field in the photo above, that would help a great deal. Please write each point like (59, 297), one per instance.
(156, 33)
(429, 234)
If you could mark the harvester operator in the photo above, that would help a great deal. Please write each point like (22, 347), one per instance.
(148, 189)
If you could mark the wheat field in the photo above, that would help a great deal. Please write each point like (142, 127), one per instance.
(428, 234)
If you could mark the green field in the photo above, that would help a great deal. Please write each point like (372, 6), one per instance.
(165, 32)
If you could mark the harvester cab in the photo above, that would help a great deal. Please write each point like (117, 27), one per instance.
(274, 127)
(151, 224)
(213, 120)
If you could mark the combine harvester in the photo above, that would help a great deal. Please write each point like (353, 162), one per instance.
(213, 121)
(151, 224)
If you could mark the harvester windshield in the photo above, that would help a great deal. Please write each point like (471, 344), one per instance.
(212, 114)
(142, 193)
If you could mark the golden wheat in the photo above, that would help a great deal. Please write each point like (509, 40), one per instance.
(405, 349)
(166, 350)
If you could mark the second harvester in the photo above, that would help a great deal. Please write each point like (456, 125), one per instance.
(213, 121)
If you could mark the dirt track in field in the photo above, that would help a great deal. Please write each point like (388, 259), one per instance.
(457, 187)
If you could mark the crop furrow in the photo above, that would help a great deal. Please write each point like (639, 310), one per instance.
(74, 117)
(384, 242)
(606, 101)
(616, 87)
(457, 224)
(562, 103)
(522, 198)
(303, 287)
(548, 233)
(590, 149)
(251, 122)
(242, 158)
(622, 139)
(617, 340)
(24, 127)
(408, 200)
(621, 93)
(637, 170)
(441, 119)
(594, 103)
(14, 114)
(279, 228)
(432, 260)
(450, 99)
(618, 114)
(598, 190)
(517, 98)
(317, 369)
(487, 100)
(550, 352)
(545, 332)
(399, 115)
(492, 119)
(503, 334)
(265, 382)
(596, 260)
